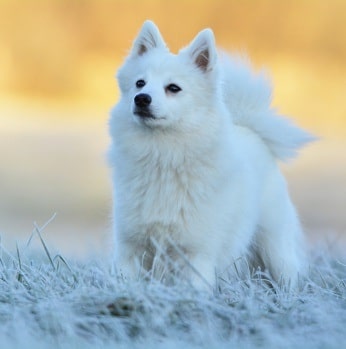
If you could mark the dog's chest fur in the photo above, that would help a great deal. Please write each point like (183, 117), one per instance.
(165, 193)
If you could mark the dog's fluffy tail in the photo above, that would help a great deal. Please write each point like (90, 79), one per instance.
(248, 98)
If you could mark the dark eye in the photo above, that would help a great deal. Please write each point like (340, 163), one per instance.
(173, 88)
(140, 83)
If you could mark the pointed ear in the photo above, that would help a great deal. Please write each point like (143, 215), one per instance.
(202, 50)
(148, 38)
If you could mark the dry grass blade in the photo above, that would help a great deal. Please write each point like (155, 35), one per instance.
(18, 257)
(37, 229)
(41, 229)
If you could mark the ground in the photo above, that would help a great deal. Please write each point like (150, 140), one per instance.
(47, 301)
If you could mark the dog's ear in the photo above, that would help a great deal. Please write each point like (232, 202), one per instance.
(148, 38)
(202, 50)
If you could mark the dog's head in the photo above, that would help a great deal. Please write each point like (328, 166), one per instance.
(163, 90)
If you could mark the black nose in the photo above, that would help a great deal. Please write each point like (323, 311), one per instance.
(142, 100)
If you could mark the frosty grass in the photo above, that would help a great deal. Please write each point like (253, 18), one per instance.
(47, 301)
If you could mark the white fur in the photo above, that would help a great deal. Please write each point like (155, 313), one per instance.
(202, 175)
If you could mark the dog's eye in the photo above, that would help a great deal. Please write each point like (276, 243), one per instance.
(140, 83)
(173, 88)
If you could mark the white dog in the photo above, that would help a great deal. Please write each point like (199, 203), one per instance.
(194, 153)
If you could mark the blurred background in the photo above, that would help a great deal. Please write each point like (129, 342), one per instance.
(58, 59)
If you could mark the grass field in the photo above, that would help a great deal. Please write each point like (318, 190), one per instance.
(47, 301)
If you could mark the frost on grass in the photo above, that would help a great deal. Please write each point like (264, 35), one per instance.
(49, 302)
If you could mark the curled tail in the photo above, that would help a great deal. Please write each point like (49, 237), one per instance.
(248, 98)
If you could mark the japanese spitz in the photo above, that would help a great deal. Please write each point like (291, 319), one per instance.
(195, 146)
